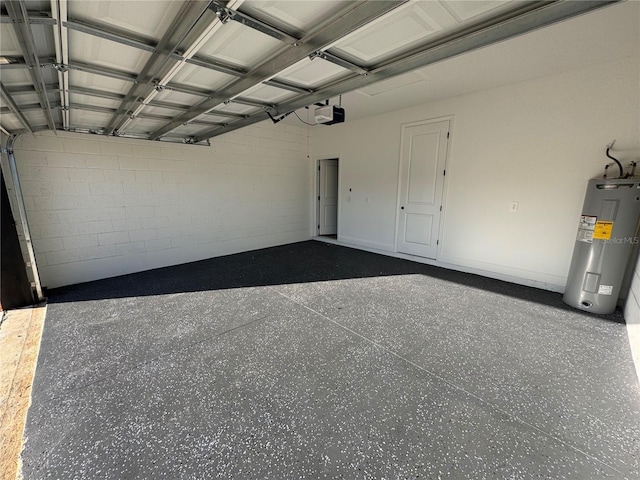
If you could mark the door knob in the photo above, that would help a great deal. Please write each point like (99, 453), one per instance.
(402, 207)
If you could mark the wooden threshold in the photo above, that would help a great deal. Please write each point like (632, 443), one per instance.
(20, 335)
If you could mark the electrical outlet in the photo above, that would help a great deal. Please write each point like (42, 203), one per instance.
(514, 207)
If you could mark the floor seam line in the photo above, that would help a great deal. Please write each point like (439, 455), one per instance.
(453, 385)
(242, 326)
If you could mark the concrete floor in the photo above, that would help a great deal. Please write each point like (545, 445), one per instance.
(317, 361)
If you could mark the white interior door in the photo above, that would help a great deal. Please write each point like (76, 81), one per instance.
(422, 170)
(328, 197)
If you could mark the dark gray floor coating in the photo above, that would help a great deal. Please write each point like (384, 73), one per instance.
(334, 364)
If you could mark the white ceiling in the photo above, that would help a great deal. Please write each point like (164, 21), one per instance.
(187, 71)
(595, 38)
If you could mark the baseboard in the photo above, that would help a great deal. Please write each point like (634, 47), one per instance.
(552, 287)
(383, 247)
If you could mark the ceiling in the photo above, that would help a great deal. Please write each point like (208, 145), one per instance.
(599, 38)
(187, 71)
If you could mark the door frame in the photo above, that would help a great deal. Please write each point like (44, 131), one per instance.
(441, 223)
(316, 193)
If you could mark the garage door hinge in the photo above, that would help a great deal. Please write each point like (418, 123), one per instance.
(437, 242)
(318, 197)
(318, 167)
(318, 227)
(448, 133)
(440, 207)
(444, 173)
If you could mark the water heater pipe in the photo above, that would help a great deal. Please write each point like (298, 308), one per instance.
(615, 159)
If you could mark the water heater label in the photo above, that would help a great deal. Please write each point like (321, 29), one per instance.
(603, 230)
(586, 228)
(605, 289)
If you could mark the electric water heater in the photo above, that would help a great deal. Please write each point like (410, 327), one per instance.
(607, 235)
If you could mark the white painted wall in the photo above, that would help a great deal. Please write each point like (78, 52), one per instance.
(632, 316)
(535, 142)
(100, 207)
(632, 306)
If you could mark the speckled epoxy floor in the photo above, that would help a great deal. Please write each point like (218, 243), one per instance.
(317, 361)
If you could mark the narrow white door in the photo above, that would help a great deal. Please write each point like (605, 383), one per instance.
(422, 170)
(328, 197)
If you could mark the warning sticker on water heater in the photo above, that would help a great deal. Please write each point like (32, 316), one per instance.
(605, 289)
(603, 230)
(586, 227)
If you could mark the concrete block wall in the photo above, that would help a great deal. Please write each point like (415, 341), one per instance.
(100, 207)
